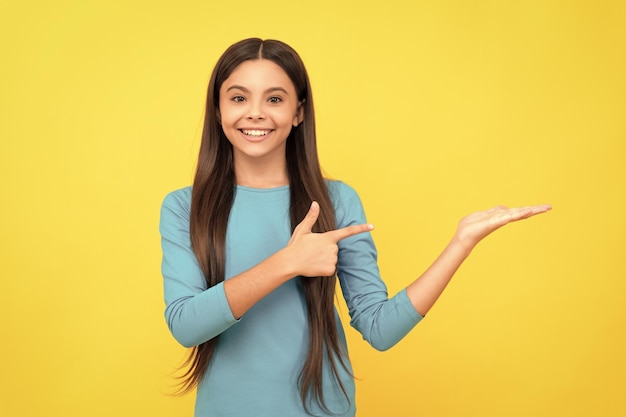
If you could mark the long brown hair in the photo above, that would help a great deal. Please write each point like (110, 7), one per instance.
(212, 199)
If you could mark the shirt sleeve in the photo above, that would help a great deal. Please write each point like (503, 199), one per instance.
(382, 321)
(194, 313)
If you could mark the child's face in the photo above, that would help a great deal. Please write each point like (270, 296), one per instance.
(258, 107)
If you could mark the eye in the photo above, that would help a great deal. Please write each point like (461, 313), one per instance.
(238, 99)
(275, 99)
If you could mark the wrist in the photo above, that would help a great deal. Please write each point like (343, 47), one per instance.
(283, 264)
(461, 245)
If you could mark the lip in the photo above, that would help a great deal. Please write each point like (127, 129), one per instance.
(255, 138)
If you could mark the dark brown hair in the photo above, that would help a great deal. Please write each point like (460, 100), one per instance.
(212, 199)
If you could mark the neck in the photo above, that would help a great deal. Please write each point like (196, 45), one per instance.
(261, 174)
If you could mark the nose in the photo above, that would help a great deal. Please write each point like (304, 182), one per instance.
(255, 113)
(255, 116)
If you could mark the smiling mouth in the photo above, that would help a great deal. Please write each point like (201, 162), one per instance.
(255, 132)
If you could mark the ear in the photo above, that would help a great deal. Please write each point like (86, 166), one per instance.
(299, 116)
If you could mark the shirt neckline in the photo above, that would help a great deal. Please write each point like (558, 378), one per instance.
(262, 190)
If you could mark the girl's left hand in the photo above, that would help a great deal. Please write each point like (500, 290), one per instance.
(476, 226)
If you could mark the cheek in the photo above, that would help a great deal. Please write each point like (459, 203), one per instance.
(227, 114)
(227, 117)
(285, 117)
(230, 133)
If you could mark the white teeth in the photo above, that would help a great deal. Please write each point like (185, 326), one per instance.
(255, 132)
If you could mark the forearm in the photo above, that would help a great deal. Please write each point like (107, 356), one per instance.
(194, 319)
(425, 290)
(472, 229)
(249, 287)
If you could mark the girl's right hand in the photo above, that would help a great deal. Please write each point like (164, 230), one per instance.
(315, 254)
(307, 254)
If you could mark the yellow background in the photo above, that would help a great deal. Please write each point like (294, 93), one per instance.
(430, 110)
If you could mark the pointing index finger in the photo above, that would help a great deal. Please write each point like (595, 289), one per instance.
(349, 231)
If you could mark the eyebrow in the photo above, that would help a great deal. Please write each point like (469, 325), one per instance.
(244, 89)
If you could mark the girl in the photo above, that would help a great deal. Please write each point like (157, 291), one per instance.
(251, 252)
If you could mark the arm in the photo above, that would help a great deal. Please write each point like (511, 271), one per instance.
(424, 291)
(193, 312)
(384, 321)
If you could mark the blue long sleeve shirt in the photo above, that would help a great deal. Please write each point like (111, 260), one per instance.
(258, 358)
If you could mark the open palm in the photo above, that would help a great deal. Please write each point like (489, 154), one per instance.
(474, 227)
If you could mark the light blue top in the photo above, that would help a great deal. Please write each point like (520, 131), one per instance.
(258, 358)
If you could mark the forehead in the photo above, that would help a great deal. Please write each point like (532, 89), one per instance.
(258, 74)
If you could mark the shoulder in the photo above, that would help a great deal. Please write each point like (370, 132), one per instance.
(348, 206)
(177, 202)
(182, 195)
(339, 191)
